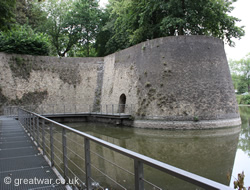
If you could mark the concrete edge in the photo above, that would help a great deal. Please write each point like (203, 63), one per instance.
(205, 124)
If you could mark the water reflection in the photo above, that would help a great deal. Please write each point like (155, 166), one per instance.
(242, 159)
(209, 153)
(244, 141)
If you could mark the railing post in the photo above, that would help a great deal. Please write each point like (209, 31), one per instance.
(43, 137)
(18, 111)
(51, 146)
(87, 163)
(65, 160)
(112, 109)
(33, 127)
(18, 115)
(64, 109)
(37, 132)
(119, 109)
(30, 123)
(26, 121)
(106, 109)
(138, 168)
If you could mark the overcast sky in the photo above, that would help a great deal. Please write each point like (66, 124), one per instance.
(241, 11)
(242, 47)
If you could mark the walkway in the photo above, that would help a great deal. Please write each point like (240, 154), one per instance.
(22, 166)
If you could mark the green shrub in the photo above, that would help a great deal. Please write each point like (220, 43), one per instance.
(243, 99)
(23, 40)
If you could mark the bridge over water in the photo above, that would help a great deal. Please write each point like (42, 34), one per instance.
(22, 166)
(37, 148)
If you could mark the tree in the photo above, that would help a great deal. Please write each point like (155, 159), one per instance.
(103, 34)
(30, 13)
(136, 21)
(240, 71)
(62, 35)
(86, 18)
(72, 24)
(7, 8)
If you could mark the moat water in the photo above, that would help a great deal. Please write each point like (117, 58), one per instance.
(215, 154)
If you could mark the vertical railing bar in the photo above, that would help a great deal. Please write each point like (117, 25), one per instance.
(43, 137)
(138, 168)
(30, 130)
(37, 128)
(27, 122)
(87, 163)
(33, 127)
(27, 115)
(18, 115)
(65, 161)
(51, 145)
(24, 119)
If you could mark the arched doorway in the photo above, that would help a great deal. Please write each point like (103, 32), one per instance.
(122, 103)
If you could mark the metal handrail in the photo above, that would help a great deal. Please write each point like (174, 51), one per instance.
(26, 117)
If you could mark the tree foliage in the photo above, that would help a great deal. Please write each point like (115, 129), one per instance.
(135, 21)
(30, 13)
(71, 23)
(82, 28)
(240, 71)
(7, 8)
(23, 40)
(86, 15)
(62, 36)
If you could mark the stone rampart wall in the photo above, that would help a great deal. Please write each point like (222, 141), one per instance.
(37, 80)
(174, 78)
(183, 78)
